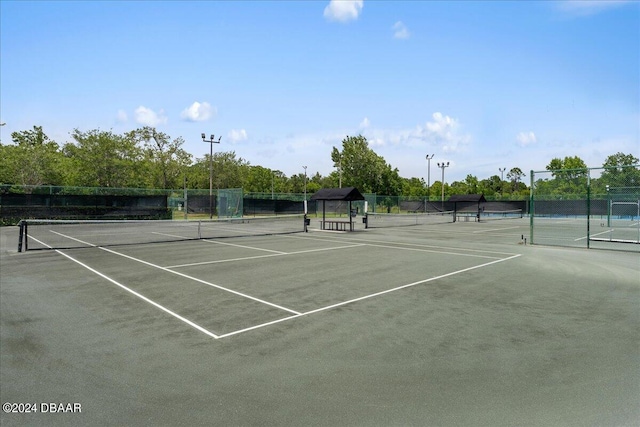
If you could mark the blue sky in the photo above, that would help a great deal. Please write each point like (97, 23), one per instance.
(481, 85)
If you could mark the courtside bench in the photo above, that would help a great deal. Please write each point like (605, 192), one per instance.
(466, 216)
(336, 225)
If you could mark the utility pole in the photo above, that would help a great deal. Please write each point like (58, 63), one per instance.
(305, 183)
(211, 141)
(429, 157)
(442, 166)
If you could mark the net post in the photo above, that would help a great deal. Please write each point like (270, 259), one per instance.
(26, 238)
(21, 225)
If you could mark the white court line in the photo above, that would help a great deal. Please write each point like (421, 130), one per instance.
(377, 245)
(265, 256)
(329, 307)
(592, 235)
(137, 294)
(188, 277)
(243, 246)
(469, 233)
(436, 249)
(67, 237)
(296, 314)
(195, 279)
(497, 229)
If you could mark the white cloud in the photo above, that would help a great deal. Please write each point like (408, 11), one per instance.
(237, 135)
(365, 123)
(148, 117)
(444, 131)
(441, 126)
(400, 31)
(198, 112)
(526, 138)
(343, 10)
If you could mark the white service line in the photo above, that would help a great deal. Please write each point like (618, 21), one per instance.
(137, 294)
(496, 229)
(243, 246)
(264, 256)
(431, 251)
(329, 307)
(453, 273)
(435, 248)
(67, 237)
(195, 279)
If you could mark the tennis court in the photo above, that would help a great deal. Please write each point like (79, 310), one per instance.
(601, 233)
(446, 323)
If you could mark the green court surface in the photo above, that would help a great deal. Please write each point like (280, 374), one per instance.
(453, 324)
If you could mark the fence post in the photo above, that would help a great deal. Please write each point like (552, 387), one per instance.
(588, 208)
(531, 207)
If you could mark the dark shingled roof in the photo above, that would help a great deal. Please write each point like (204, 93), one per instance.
(477, 198)
(346, 194)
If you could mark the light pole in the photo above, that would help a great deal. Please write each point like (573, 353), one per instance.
(442, 166)
(211, 141)
(502, 180)
(429, 157)
(305, 183)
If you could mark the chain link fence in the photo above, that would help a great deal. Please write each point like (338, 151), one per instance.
(587, 208)
(59, 202)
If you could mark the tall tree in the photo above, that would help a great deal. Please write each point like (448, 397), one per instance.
(515, 175)
(567, 168)
(164, 161)
(570, 176)
(362, 168)
(259, 180)
(103, 159)
(34, 159)
(229, 171)
(619, 160)
(472, 184)
(413, 187)
(622, 170)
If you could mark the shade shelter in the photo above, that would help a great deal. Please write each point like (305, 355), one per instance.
(467, 205)
(347, 194)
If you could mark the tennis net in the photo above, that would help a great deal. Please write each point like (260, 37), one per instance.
(379, 220)
(67, 234)
(486, 215)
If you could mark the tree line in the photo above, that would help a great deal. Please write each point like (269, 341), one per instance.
(147, 158)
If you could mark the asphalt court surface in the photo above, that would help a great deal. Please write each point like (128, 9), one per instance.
(449, 325)
(227, 286)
